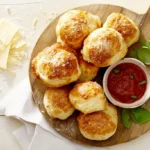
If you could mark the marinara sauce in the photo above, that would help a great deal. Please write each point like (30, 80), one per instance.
(127, 83)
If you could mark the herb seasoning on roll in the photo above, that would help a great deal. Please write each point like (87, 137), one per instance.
(127, 83)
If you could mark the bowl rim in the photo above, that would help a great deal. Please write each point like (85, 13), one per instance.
(137, 103)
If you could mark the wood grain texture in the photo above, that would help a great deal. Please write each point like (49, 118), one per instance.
(69, 127)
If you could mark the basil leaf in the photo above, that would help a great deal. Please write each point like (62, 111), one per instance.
(144, 55)
(140, 115)
(134, 97)
(142, 82)
(131, 76)
(133, 118)
(133, 53)
(145, 43)
(125, 117)
(116, 70)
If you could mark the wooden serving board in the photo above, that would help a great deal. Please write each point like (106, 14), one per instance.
(69, 127)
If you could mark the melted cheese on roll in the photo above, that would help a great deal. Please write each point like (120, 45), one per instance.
(57, 104)
(99, 125)
(88, 97)
(74, 26)
(56, 66)
(88, 70)
(125, 26)
(104, 47)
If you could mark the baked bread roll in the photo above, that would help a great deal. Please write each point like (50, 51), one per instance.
(88, 70)
(125, 26)
(104, 47)
(99, 125)
(57, 104)
(56, 66)
(88, 97)
(74, 26)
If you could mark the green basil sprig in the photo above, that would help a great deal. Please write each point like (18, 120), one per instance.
(138, 116)
(145, 43)
(125, 117)
(142, 53)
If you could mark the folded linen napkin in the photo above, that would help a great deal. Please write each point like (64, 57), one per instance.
(19, 104)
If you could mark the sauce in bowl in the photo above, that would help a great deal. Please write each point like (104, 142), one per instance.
(127, 83)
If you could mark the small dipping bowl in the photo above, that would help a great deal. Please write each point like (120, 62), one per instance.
(140, 101)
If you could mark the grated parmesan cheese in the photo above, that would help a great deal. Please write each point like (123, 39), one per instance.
(12, 45)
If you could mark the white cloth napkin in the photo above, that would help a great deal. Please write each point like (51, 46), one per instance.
(19, 104)
(22, 138)
(45, 141)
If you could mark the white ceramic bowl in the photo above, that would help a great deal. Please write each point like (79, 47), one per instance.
(137, 103)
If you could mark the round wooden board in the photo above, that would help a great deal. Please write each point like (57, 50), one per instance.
(69, 127)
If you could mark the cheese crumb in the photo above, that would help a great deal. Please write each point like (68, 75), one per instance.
(8, 11)
(35, 21)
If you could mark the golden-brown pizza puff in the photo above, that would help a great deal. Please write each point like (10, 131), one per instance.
(104, 47)
(125, 26)
(99, 125)
(56, 66)
(74, 26)
(88, 97)
(88, 70)
(57, 104)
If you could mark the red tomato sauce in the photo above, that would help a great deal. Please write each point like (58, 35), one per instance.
(127, 83)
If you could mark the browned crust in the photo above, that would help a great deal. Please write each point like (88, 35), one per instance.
(101, 55)
(36, 59)
(66, 69)
(75, 29)
(89, 68)
(61, 71)
(59, 98)
(61, 45)
(89, 89)
(123, 25)
(79, 21)
(98, 123)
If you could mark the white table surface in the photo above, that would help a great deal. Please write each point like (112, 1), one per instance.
(23, 13)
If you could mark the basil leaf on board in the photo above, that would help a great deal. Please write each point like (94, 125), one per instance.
(144, 55)
(145, 43)
(133, 53)
(140, 115)
(125, 117)
(133, 118)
